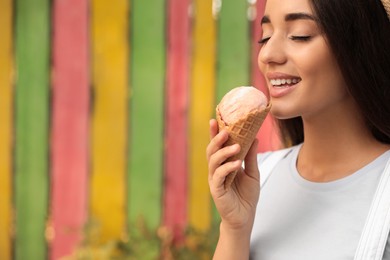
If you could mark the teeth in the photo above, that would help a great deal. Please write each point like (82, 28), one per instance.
(278, 82)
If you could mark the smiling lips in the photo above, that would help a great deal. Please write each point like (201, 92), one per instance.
(281, 84)
(284, 82)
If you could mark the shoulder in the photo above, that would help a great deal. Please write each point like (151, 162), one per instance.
(267, 161)
(274, 155)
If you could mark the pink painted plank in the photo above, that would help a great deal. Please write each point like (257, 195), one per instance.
(69, 146)
(268, 135)
(175, 196)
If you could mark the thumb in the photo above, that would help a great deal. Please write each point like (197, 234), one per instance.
(251, 167)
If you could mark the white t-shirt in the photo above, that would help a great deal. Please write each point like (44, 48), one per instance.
(301, 220)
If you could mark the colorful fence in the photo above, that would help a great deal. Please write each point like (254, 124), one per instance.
(104, 111)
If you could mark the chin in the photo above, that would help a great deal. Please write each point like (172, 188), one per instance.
(279, 112)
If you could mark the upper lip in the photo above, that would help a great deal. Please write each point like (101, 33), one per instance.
(280, 75)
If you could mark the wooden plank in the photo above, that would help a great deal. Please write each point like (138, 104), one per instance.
(268, 134)
(256, 31)
(109, 27)
(176, 158)
(233, 51)
(6, 122)
(146, 112)
(32, 109)
(69, 146)
(201, 110)
(233, 47)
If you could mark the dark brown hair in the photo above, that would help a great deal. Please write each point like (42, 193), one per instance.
(358, 32)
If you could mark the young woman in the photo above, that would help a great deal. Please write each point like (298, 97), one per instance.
(336, 118)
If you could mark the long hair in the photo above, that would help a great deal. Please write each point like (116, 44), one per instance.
(358, 32)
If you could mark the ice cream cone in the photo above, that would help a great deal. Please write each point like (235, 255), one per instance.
(242, 132)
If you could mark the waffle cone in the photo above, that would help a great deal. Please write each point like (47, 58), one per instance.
(242, 132)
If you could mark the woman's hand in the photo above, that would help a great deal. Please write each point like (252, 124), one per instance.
(237, 205)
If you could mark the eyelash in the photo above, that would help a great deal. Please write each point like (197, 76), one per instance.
(264, 40)
(300, 38)
(294, 38)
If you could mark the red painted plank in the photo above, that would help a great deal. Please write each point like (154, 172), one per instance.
(175, 196)
(268, 135)
(69, 146)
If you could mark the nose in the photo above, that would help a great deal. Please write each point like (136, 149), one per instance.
(272, 52)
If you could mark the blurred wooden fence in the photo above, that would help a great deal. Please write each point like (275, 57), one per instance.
(104, 111)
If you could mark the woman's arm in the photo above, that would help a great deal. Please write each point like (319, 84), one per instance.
(236, 205)
(232, 244)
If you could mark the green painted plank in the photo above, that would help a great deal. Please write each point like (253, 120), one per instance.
(146, 111)
(233, 49)
(32, 108)
(233, 52)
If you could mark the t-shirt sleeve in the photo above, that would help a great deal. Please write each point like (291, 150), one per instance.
(261, 157)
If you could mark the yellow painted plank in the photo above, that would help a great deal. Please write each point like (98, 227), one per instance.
(109, 27)
(6, 65)
(201, 110)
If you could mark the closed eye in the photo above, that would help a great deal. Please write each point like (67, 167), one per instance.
(300, 38)
(264, 40)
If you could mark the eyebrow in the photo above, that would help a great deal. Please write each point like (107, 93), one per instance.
(291, 17)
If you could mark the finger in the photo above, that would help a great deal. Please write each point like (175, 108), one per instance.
(221, 156)
(218, 179)
(251, 167)
(216, 143)
(213, 128)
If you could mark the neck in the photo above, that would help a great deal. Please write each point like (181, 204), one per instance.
(336, 145)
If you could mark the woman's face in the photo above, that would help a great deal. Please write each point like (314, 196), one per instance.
(301, 72)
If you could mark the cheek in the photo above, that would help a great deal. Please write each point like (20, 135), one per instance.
(311, 61)
(260, 65)
(324, 83)
(318, 67)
